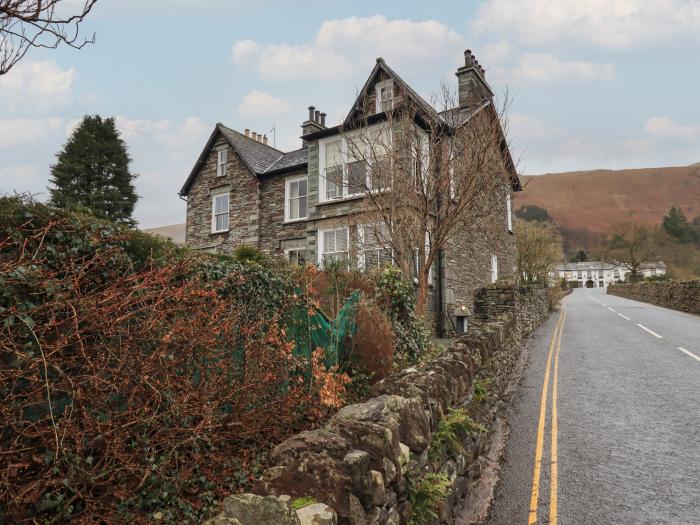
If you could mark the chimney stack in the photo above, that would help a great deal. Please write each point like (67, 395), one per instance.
(254, 136)
(247, 132)
(264, 139)
(315, 122)
(472, 86)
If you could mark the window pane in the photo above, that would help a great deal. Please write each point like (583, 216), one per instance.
(221, 203)
(357, 175)
(294, 189)
(333, 152)
(341, 239)
(302, 187)
(328, 241)
(302, 206)
(294, 209)
(334, 182)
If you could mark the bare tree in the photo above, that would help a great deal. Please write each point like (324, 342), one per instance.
(427, 179)
(629, 246)
(25, 24)
(539, 249)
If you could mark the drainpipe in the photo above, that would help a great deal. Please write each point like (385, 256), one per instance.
(441, 292)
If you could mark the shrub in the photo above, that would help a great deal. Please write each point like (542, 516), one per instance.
(426, 494)
(248, 254)
(451, 430)
(397, 296)
(372, 347)
(137, 377)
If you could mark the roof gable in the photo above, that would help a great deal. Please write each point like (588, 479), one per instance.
(257, 157)
(382, 68)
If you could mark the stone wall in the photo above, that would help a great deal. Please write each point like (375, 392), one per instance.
(679, 295)
(243, 206)
(367, 464)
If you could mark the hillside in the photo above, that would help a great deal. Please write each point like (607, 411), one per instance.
(596, 200)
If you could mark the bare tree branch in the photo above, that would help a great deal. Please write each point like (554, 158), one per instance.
(26, 24)
(430, 180)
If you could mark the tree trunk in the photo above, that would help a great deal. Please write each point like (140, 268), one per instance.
(422, 299)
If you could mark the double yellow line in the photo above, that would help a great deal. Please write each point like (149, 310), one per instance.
(555, 344)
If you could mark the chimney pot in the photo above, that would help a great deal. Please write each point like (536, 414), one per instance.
(323, 120)
(317, 116)
(311, 113)
(264, 139)
(247, 132)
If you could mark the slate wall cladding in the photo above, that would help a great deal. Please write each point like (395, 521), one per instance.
(679, 295)
(360, 463)
(243, 206)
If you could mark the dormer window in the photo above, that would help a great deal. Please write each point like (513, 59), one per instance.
(222, 158)
(384, 95)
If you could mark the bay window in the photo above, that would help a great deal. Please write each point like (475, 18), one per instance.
(351, 165)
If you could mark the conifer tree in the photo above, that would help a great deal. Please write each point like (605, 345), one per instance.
(92, 172)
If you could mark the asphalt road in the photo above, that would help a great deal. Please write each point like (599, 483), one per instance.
(627, 418)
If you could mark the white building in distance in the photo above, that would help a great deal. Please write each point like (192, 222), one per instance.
(597, 274)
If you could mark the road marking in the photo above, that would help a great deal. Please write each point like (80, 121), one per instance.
(553, 484)
(534, 497)
(691, 354)
(650, 331)
(610, 309)
(623, 316)
(603, 304)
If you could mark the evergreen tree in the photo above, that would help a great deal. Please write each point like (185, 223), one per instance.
(533, 213)
(93, 172)
(676, 224)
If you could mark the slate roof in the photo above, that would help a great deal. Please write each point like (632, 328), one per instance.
(295, 158)
(260, 158)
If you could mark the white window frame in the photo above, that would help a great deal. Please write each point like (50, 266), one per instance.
(345, 191)
(361, 241)
(227, 212)
(221, 162)
(417, 262)
(509, 210)
(494, 268)
(287, 208)
(287, 251)
(319, 241)
(378, 106)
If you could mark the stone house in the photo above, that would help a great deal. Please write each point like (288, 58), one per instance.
(300, 203)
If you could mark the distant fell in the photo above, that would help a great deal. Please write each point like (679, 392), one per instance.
(595, 200)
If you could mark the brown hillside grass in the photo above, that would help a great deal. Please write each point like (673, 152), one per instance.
(596, 200)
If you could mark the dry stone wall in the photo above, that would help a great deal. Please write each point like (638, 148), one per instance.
(679, 295)
(368, 465)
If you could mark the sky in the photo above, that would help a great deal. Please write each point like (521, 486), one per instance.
(590, 83)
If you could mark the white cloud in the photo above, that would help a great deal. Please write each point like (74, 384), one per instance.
(24, 178)
(543, 67)
(177, 138)
(342, 47)
(16, 131)
(41, 82)
(259, 104)
(522, 127)
(607, 23)
(665, 128)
